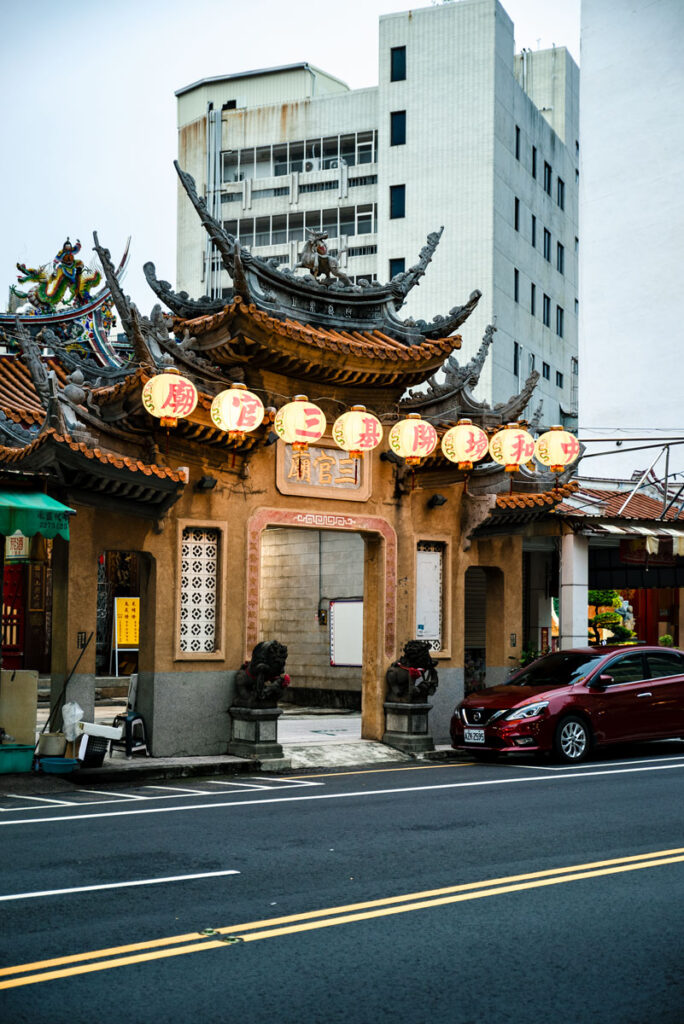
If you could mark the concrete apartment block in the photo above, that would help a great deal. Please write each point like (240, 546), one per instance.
(631, 301)
(277, 150)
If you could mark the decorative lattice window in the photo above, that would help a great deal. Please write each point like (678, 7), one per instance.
(199, 590)
(429, 593)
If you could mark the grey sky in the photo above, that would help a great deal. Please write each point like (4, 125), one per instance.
(88, 118)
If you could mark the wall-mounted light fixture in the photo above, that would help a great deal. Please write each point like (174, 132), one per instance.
(436, 500)
(206, 483)
(392, 457)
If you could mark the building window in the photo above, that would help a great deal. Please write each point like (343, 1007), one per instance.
(517, 142)
(574, 367)
(559, 321)
(365, 179)
(547, 245)
(576, 244)
(534, 161)
(576, 307)
(516, 285)
(430, 589)
(398, 128)
(397, 64)
(397, 201)
(547, 178)
(397, 266)
(559, 379)
(516, 214)
(546, 311)
(560, 258)
(199, 579)
(516, 359)
(531, 360)
(546, 371)
(534, 231)
(560, 193)
(533, 298)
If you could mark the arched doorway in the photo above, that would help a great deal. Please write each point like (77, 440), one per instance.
(379, 593)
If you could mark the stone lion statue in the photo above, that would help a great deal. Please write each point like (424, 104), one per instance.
(260, 682)
(413, 678)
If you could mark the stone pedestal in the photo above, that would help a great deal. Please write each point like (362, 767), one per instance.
(406, 727)
(254, 733)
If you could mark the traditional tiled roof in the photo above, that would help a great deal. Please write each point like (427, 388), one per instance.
(592, 502)
(18, 396)
(16, 456)
(545, 500)
(243, 333)
(369, 343)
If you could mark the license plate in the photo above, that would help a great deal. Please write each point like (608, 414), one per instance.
(473, 735)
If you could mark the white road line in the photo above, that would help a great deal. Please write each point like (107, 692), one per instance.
(340, 796)
(110, 792)
(43, 799)
(608, 764)
(288, 782)
(177, 789)
(249, 786)
(115, 885)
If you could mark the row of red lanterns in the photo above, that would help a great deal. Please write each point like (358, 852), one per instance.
(169, 396)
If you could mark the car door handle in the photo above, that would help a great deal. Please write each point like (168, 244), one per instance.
(646, 694)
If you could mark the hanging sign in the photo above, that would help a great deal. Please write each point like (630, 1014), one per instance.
(126, 631)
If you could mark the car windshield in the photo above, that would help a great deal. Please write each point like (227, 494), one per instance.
(559, 669)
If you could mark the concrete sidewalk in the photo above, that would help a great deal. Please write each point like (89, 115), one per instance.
(311, 738)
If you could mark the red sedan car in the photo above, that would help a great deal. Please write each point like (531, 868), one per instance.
(570, 701)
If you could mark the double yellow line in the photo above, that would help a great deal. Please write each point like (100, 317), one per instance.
(252, 931)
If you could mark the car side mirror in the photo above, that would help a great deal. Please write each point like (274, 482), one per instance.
(600, 682)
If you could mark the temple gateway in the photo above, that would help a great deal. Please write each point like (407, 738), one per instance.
(181, 538)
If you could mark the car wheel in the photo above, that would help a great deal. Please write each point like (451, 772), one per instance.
(572, 741)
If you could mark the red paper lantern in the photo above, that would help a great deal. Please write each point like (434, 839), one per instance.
(299, 423)
(465, 444)
(357, 431)
(413, 438)
(557, 448)
(169, 397)
(237, 411)
(511, 446)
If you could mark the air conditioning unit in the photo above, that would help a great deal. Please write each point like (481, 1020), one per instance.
(314, 164)
(334, 164)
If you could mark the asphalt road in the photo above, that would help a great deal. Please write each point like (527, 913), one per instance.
(460, 893)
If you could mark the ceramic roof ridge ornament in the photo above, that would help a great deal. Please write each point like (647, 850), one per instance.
(335, 303)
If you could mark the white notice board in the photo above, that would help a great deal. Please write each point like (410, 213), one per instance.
(346, 632)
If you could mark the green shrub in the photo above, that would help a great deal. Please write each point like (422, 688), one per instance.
(666, 640)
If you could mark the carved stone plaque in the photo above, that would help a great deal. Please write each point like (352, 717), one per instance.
(323, 473)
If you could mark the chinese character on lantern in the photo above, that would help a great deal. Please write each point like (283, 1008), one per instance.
(465, 444)
(299, 423)
(169, 397)
(413, 439)
(511, 446)
(556, 449)
(357, 431)
(237, 411)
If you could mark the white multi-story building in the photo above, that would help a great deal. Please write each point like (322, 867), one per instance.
(632, 301)
(459, 132)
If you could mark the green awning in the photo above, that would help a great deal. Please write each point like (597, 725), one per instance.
(31, 512)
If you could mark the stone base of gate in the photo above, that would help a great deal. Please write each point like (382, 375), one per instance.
(254, 733)
(406, 727)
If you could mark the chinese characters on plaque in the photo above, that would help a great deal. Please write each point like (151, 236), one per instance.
(328, 472)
